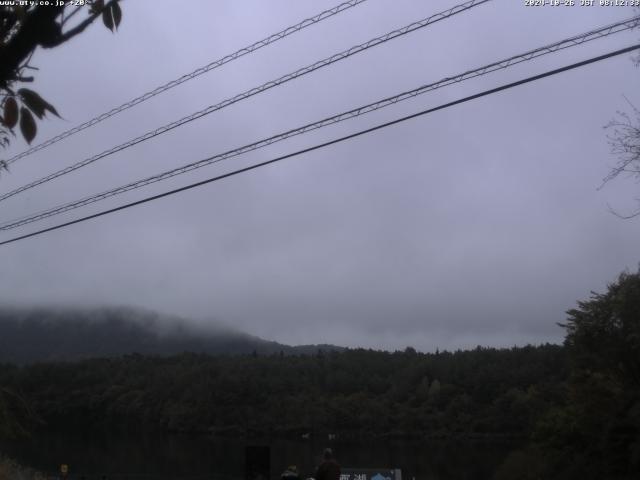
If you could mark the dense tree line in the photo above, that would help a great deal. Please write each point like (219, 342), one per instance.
(596, 434)
(355, 392)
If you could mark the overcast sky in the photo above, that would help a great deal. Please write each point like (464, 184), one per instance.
(478, 224)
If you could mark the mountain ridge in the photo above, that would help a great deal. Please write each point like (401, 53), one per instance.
(44, 334)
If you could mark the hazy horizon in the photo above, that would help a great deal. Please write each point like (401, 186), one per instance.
(209, 325)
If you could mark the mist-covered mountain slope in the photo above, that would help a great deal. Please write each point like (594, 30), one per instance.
(30, 335)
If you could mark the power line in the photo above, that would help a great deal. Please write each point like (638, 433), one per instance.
(330, 142)
(254, 91)
(199, 71)
(501, 64)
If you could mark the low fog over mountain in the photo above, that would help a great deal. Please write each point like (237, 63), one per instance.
(45, 334)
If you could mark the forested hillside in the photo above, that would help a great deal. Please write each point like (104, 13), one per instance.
(48, 334)
(354, 393)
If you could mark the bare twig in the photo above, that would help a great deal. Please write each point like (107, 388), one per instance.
(624, 217)
(624, 141)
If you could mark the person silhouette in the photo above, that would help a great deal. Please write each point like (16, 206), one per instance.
(329, 469)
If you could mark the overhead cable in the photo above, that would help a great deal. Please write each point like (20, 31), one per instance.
(254, 91)
(331, 142)
(498, 65)
(196, 73)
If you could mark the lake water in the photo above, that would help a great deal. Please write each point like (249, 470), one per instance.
(134, 457)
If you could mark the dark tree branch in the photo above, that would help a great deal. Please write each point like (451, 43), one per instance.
(82, 25)
(68, 17)
(39, 28)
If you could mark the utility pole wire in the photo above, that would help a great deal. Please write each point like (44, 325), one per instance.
(331, 142)
(199, 71)
(254, 91)
(501, 64)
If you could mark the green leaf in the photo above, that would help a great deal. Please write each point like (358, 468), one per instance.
(107, 19)
(36, 103)
(10, 112)
(117, 14)
(27, 125)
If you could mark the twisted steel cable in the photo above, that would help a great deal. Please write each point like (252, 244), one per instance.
(254, 91)
(601, 32)
(328, 143)
(199, 71)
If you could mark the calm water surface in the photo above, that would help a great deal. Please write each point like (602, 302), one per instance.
(120, 456)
